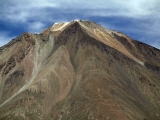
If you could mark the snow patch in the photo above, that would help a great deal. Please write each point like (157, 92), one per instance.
(76, 20)
(58, 26)
(56, 23)
(141, 63)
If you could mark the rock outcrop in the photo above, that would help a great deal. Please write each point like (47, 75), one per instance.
(79, 71)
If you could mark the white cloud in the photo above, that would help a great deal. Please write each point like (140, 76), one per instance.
(36, 27)
(41, 11)
(4, 38)
(21, 11)
(132, 8)
(156, 44)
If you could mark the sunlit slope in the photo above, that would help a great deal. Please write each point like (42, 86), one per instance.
(79, 70)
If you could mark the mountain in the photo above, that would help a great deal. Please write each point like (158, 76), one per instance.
(79, 71)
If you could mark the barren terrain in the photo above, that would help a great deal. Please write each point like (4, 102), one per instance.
(79, 71)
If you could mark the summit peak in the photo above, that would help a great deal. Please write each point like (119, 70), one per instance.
(75, 65)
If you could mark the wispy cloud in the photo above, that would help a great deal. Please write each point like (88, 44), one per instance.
(36, 27)
(22, 11)
(5, 38)
(156, 44)
(18, 10)
(38, 14)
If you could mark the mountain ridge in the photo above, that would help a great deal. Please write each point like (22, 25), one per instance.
(79, 70)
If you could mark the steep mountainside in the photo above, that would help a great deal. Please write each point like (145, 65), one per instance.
(79, 71)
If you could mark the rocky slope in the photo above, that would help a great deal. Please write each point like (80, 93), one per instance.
(79, 71)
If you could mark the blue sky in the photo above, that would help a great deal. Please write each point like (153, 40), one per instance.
(139, 19)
